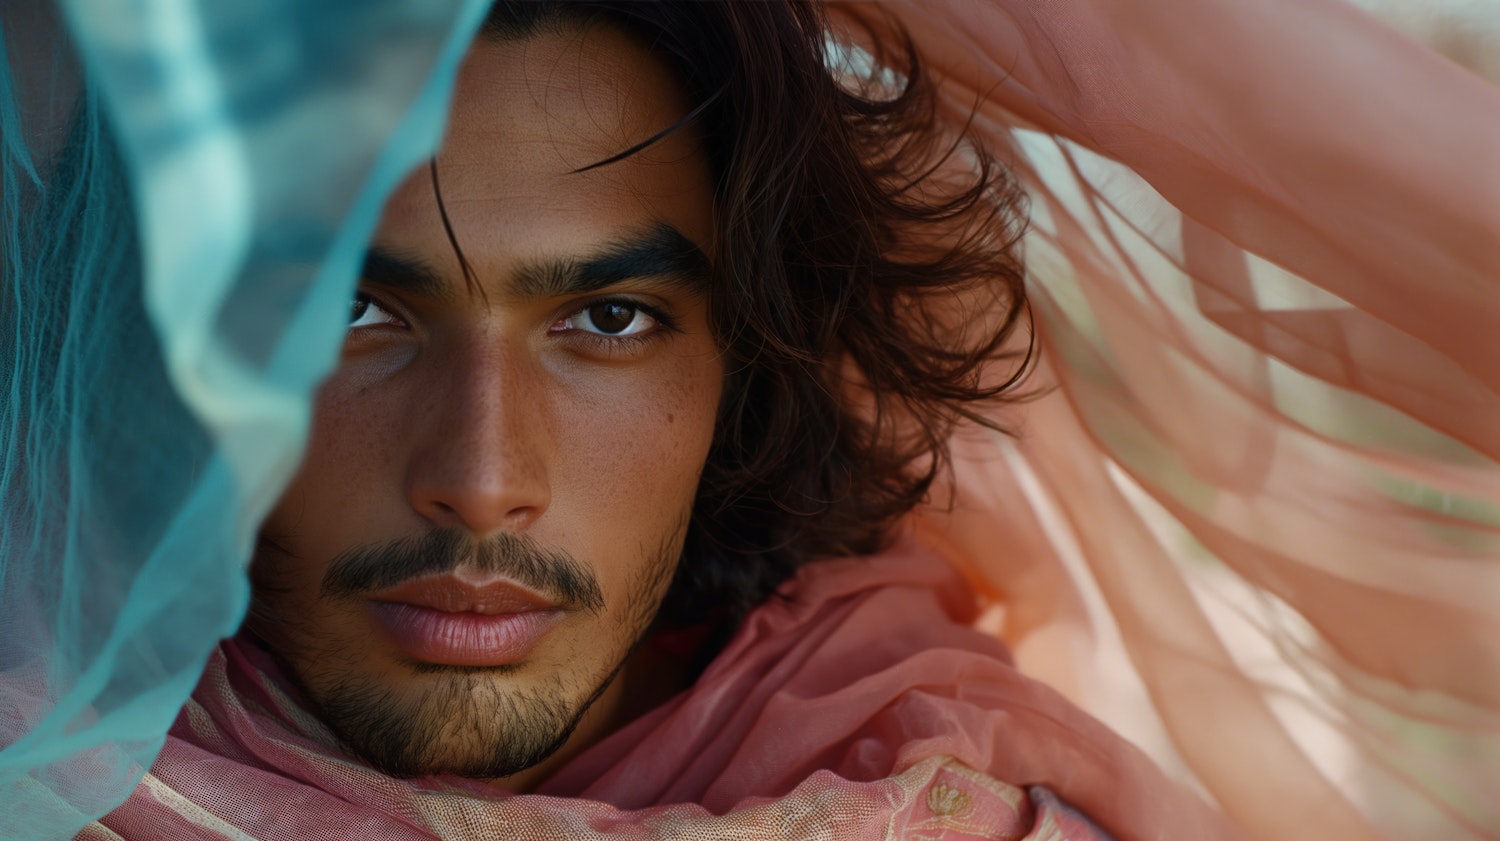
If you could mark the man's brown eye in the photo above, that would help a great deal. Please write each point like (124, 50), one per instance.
(616, 319)
(367, 312)
(612, 317)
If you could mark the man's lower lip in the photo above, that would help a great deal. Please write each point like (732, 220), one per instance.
(463, 639)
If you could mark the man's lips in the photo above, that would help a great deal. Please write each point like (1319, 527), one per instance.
(451, 594)
(450, 621)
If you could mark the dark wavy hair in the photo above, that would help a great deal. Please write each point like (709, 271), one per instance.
(866, 284)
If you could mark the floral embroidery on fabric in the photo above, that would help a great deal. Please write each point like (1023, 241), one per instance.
(956, 803)
(961, 804)
(949, 802)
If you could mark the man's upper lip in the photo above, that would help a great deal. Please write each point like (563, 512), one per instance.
(451, 594)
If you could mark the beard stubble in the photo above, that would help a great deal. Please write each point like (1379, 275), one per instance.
(467, 721)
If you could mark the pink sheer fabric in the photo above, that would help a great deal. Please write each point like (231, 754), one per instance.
(1256, 525)
(862, 707)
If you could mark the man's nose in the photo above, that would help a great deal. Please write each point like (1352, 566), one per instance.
(480, 462)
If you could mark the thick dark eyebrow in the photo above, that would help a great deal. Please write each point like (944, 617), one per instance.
(403, 273)
(661, 252)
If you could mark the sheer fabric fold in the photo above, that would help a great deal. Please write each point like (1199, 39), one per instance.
(1255, 524)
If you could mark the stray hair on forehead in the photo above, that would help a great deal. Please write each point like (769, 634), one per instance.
(866, 290)
(516, 21)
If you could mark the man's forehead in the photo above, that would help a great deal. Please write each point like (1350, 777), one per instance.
(518, 190)
(570, 98)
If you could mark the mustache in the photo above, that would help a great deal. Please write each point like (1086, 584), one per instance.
(554, 573)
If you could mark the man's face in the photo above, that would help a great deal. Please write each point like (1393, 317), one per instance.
(499, 479)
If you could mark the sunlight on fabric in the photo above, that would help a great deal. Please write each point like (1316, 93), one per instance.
(1320, 704)
(1099, 663)
(1466, 31)
(1242, 618)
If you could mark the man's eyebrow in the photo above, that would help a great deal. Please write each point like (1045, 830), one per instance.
(397, 271)
(660, 252)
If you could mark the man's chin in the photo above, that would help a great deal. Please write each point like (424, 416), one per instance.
(459, 723)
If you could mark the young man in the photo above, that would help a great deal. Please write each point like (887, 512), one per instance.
(652, 332)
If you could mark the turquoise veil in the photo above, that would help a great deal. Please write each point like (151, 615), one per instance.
(185, 190)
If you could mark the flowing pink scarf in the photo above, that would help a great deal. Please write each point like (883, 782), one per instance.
(863, 705)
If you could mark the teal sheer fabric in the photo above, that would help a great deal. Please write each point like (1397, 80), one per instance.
(185, 190)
